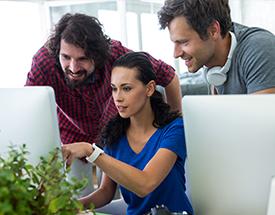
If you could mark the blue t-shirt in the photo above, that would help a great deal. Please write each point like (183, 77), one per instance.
(171, 192)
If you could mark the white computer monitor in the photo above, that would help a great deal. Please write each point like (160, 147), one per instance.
(28, 116)
(230, 143)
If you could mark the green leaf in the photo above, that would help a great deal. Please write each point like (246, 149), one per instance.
(57, 204)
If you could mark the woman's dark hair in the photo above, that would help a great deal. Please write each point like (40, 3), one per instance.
(83, 31)
(200, 14)
(145, 73)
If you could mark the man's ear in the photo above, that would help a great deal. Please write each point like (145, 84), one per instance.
(214, 30)
(151, 87)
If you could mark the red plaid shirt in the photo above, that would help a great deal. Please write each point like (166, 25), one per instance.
(83, 111)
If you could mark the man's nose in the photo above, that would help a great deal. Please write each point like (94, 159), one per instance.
(177, 51)
(74, 66)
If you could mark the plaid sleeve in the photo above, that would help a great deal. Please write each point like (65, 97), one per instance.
(165, 73)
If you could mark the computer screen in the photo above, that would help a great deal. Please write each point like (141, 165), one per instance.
(28, 116)
(230, 142)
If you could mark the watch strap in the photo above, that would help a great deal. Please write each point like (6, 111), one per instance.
(97, 151)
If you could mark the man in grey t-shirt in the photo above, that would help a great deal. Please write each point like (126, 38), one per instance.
(236, 59)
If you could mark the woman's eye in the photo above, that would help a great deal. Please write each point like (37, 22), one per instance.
(127, 88)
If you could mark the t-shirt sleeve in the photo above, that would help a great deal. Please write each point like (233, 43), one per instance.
(111, 150)
(107, 150)
(173, 138)
(258, 62)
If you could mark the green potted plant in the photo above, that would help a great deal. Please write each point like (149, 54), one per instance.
(37, 190)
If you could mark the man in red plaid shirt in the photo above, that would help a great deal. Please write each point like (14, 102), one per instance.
(76, 61)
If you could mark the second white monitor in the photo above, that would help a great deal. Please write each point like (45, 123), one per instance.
(231, 152)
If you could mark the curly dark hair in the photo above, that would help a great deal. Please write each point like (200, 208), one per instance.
(117, 126)
(199, 14)
(83, 31)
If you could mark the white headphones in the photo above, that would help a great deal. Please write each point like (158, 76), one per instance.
(217, 75)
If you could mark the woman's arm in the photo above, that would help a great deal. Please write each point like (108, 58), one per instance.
(141, 182)
(103, 195)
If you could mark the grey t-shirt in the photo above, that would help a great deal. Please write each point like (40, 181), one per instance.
(253, 62)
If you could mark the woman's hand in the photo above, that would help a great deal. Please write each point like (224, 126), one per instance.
(76, 150)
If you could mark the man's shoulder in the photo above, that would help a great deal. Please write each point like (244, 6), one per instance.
(245, 33)
(117, 49)
(115, 43)
(42, 52)
(43, 56)
(44, 65)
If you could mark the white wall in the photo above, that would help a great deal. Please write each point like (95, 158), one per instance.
(21, 35)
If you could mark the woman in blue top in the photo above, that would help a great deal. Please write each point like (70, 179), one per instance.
(144, 144)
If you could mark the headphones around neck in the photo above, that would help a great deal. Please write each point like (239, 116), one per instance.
(217, 75)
